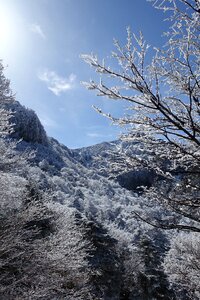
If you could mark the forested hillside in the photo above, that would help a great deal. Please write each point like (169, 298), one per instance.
(69, 226)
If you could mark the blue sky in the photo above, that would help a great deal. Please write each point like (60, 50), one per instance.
(41, 42)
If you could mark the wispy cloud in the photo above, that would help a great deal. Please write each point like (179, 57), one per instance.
(98, 135)
(57, 84)
(36, 28)
(94, 134)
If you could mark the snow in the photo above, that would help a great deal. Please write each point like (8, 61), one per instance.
(82, 211)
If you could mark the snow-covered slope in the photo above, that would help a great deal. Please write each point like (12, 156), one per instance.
(116, 161)
(81, 204)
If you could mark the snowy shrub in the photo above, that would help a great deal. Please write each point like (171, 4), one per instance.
(13, 189)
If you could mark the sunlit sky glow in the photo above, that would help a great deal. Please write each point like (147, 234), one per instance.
(41, 42)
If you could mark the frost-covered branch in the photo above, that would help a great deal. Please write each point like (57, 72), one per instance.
(164, 97)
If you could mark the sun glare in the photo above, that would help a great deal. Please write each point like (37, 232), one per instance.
(9, 29)
(5, 28)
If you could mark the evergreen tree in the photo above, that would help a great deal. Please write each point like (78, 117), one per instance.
(152, 281)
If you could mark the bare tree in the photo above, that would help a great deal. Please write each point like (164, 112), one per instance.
(162, 87)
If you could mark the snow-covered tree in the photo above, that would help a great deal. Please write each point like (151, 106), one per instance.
(182, 264)
(43, 251)
(6, 96)
(5, 91)
(152, 282)
(162, 87)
